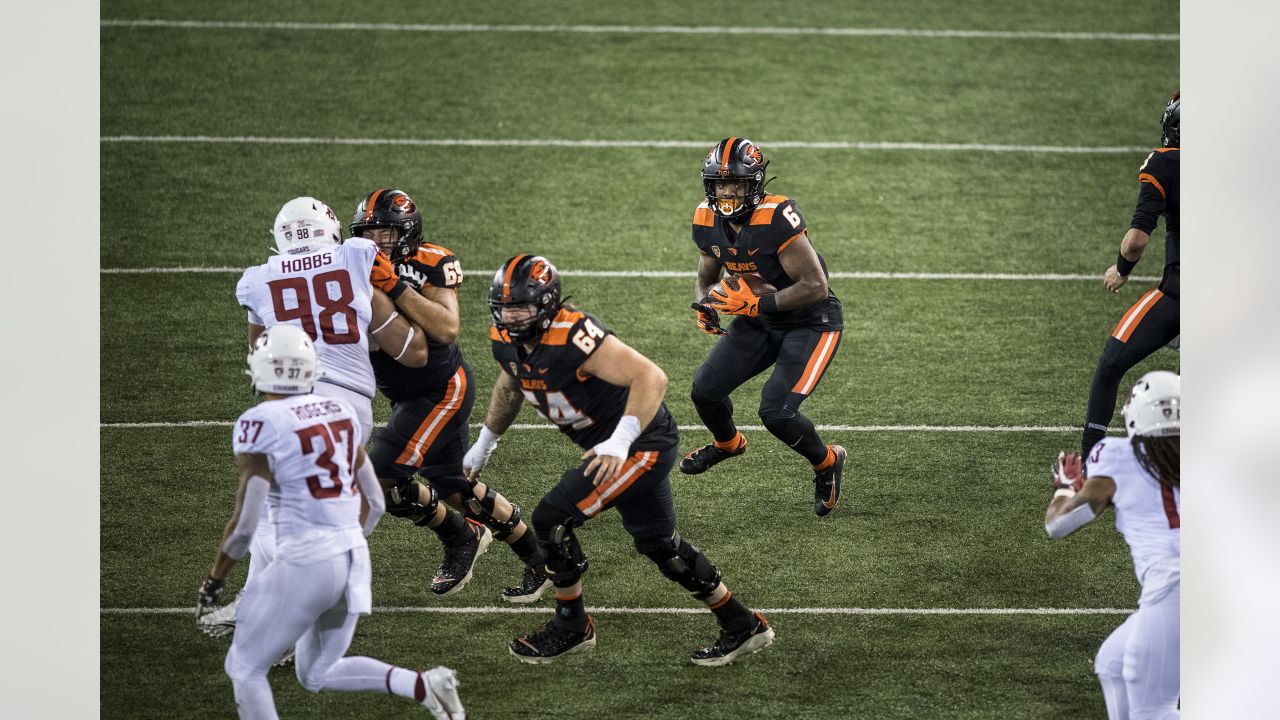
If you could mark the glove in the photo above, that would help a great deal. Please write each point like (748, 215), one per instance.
(208, 594)
(708, 319)
(383, 276)
(736, 299)
(1068, 477)
(478, 456)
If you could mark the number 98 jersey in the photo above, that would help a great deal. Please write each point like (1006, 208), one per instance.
(329, 295)
(582, 406)
(310, 444)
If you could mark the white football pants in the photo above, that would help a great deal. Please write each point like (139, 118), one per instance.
(1138, 664)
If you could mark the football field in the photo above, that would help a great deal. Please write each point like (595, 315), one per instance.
(966, 170)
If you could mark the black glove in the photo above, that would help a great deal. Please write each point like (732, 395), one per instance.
(708, 320)
(208, 594)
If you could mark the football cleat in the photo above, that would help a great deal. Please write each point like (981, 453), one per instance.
(732, 645)
(534, 583)
(286, 659)
(440, 694)
(220, 622)
(551, 641)
(460, 560)
(826, 484)
(707, 456)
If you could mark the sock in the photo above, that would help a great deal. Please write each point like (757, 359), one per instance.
(404, 683)
(453, 531)
(732, 615)
(571, 613)
(253, 699)
(738, 441)
(827, 462)
(528, 549)
(717, 416)
(360, 674)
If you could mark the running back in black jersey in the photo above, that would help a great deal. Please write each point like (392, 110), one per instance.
(1159, 195)
(582, 406)
(435, 266)
(774, 224)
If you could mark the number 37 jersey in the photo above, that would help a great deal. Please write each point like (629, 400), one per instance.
(310, 444)
(328, 294)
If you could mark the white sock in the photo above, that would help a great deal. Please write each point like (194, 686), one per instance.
(254, 700)
(360, 674)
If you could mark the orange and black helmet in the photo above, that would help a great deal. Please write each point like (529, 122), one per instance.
(526, 280)
(390, 209)
(734, 159)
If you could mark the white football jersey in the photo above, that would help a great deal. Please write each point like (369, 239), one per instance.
(1147, 513)
(310, 443)
(329, 295)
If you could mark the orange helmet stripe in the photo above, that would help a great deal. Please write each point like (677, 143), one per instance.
(506, 279)
(724, 159)
(373, 200)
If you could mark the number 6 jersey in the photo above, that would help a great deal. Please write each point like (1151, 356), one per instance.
(310, 443)
(329, 295)
(582, 406)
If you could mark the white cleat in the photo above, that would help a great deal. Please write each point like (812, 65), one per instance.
(442, 694)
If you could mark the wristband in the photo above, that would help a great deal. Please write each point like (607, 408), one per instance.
(399, 289)
(627, 431)
(488, 439)
(768, 304)
(1064, 492)
(1124, 266)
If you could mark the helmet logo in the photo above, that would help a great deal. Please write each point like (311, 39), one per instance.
(402, 203)
(753, 153)
(540, 273)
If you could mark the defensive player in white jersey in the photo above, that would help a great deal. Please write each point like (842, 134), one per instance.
(300, 449)
(1138, 665)
(325, 287)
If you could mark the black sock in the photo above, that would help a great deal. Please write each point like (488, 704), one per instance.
(717, 416)
(798, 433)
(454, 530)
(571, 614)
(528, 549)
(733, 615)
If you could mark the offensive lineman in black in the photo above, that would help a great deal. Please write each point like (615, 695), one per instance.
(1153, 321)
(608, 399)
(740, 230)
(427, 434)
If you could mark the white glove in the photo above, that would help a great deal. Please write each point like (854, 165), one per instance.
(478, 456)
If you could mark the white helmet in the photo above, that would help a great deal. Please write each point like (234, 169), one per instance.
(305, 225)
(283, 361)
(1154, 407)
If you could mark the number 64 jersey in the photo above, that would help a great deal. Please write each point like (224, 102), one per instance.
(310, 443)
(329, 295)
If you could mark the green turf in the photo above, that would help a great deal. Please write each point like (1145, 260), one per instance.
(929, 519)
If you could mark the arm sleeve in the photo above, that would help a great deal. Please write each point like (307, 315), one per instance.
(255, 497)
(1104, 458)
(372, 490)
(242, 297)
(1151, 205)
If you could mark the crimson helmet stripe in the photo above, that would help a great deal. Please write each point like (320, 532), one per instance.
(506, 279)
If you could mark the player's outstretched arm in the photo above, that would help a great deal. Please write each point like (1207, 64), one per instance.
(255, 482)
(394, 334)
(1076, 502)
(504, 406)
(617, 363)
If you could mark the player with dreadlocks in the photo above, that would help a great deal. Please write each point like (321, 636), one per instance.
(1138, 665)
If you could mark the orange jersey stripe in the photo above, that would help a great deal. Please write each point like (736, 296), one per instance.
(817, 363)
(1147, 177)
(787, 242)
(414, 453)
(1134, 315)
(635, 466)
(704, 217)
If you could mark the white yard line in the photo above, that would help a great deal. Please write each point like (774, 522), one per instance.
(643, 29)
(506, 610)
(684, 428)
(559, 142)
(1035, 277)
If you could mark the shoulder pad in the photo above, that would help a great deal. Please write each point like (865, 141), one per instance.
(703, 215)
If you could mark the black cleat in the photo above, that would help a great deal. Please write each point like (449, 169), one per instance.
(535, 582)
(707, 456)
(550, 641)
(826, 484)
(730, 645)
(459, 560)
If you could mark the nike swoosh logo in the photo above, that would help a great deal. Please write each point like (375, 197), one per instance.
(753, 252)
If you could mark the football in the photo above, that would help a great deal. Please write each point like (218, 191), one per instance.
(757, 283)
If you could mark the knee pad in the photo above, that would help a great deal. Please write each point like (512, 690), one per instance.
(684, 563)
(405, 499)
(565, 559)
(481, 509)
(704, 388)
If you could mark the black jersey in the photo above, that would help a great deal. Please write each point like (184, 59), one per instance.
(1159, 195)
(436, 266)
(772, 226)
(584, 407)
